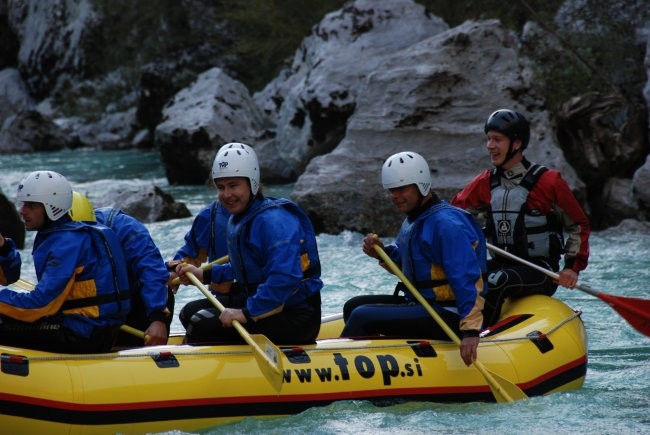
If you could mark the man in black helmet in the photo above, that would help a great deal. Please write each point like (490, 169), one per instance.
(528, 209)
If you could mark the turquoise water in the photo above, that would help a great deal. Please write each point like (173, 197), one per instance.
(614, 400)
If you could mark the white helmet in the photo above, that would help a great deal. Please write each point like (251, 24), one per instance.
(48, 188)
(237, 160)
(406, 168)
(236, 145)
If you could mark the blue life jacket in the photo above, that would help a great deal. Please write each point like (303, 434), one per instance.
(422, 234)
(98, 297)
(248, 265)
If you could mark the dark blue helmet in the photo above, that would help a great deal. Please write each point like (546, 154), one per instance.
(510, 123)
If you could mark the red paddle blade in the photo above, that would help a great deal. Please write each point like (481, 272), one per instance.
(636, 311)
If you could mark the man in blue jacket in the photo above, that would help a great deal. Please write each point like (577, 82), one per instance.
(440, 249)
(273, 260)
(206, 241)
(82, 295)
(152, 304)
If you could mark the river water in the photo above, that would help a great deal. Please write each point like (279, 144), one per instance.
(614, 400)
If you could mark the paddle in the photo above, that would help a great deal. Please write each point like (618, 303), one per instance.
(133, 331)
(23, 284)
(220, 260)
(268, 359)
(636, 311)
(502, 389)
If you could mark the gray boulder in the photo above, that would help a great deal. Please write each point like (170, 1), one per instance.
(214, 110)
(30, 131)
(641, 187)
(57, 40)
(147, 204)
(618, 202)
(602, 134)
(311, 101)
(433, 98)
(14, 96)
(112, 131)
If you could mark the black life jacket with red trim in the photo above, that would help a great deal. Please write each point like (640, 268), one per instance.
(514, 227)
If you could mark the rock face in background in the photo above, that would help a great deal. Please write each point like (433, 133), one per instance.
(641, 189)
(14, 95)
(212, 111)
(311, 101)
(604, 138)
(56, 40)
(371, 79)
(619, 201)
(432, 98)
(146, 205)
(30, 131)
(78, 59)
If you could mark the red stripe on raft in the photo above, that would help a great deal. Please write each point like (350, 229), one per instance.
(365, 394)
(131, 406)
(553, 373)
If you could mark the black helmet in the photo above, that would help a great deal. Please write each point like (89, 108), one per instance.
(511, 123)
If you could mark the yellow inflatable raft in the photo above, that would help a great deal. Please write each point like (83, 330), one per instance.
(540, 345)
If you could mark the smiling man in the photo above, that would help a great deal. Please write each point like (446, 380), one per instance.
(527, 209)
(274, 262)
(440, 249)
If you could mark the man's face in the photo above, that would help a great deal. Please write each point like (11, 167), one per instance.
(497, 146)
(405, 198)
(33, 214)
(234, 193)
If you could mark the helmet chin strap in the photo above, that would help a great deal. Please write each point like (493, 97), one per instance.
(421, 203)
(510, 154)
(251, 198)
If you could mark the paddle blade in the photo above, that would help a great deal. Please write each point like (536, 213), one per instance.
(502, 389)
(269, 360)
(636, 311)
(267, 354)
(505, 391)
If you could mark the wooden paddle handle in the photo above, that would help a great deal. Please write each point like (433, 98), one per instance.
(549, 273)
(502, 389)
(397, 271)
(222, 260)
(238, 326)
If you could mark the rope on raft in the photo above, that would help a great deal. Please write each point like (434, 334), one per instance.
(323, 347)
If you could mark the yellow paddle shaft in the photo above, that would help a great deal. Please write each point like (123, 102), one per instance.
(498, 388)
(176, 281)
